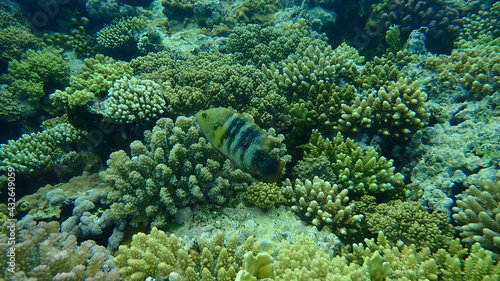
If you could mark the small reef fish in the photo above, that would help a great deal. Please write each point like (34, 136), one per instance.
(240, 140)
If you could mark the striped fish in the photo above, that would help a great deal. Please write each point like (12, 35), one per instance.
(240, 140)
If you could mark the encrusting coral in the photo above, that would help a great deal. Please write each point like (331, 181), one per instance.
(44, 253)
(323, 204)
(353, 168)
(173, 168)
(35, 153)
(478, 213)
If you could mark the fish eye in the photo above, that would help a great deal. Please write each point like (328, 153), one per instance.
(204, 115)
(23, 206)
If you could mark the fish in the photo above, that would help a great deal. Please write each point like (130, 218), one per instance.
(240, 140)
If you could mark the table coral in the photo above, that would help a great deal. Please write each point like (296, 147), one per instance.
(411, 223)
(35, 153)
(173, 168)
(355, 169)
(44, 253)
(478, 213)
(159, 255)
(323, 204)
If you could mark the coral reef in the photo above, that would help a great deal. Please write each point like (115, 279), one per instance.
(441, 19)
(36, 153)
(159, 255)
(411, 223)
(353, 168)
(175, 167)
(452, 262)
(264, 195)
(43, 253)
(212, 79)
(323, 204)
(133, 100)
(477, 212)
(98, 75)
(396, 111)
(121, 35)
(36, 72)
(15, 37)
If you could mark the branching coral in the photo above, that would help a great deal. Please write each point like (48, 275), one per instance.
(133, 100)
(175, 167)
(121, 33)
(411, 223)
(98, 75)
(159, 255)
(354, 169)
(35, 153)
(43, 253)
(323, 204)
(36, 72)
(396, 112)
(264, 195)
(478, 213)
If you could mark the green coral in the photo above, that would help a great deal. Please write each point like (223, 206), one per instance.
(478, 214)
(36, 153)
(411, 223)
(36, 71)
(264, 195)
(451, 262)
(121, 32)
(354, 168)
(133, 100)
(173, 168)
(395, 111)
(15, 37)
(98, 75)
(212, 79)
(159, 255)
(323, 204)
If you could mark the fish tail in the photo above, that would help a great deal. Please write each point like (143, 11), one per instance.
(270, 168)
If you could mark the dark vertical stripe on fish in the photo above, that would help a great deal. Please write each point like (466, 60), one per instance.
(246, 139)
(232, 131)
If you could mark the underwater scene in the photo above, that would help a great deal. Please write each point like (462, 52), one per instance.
(245, 140)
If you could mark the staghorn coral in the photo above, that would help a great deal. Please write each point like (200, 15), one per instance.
(323, 204)
(43, 253)
(159, 255)
(35, 153)
(478, 213)
(175, 167)
(396, 111)
(264, 195)
(133, 100)
(354, 169)
(35, 72)
(411, 223)
(98, 75)
(452, 262)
